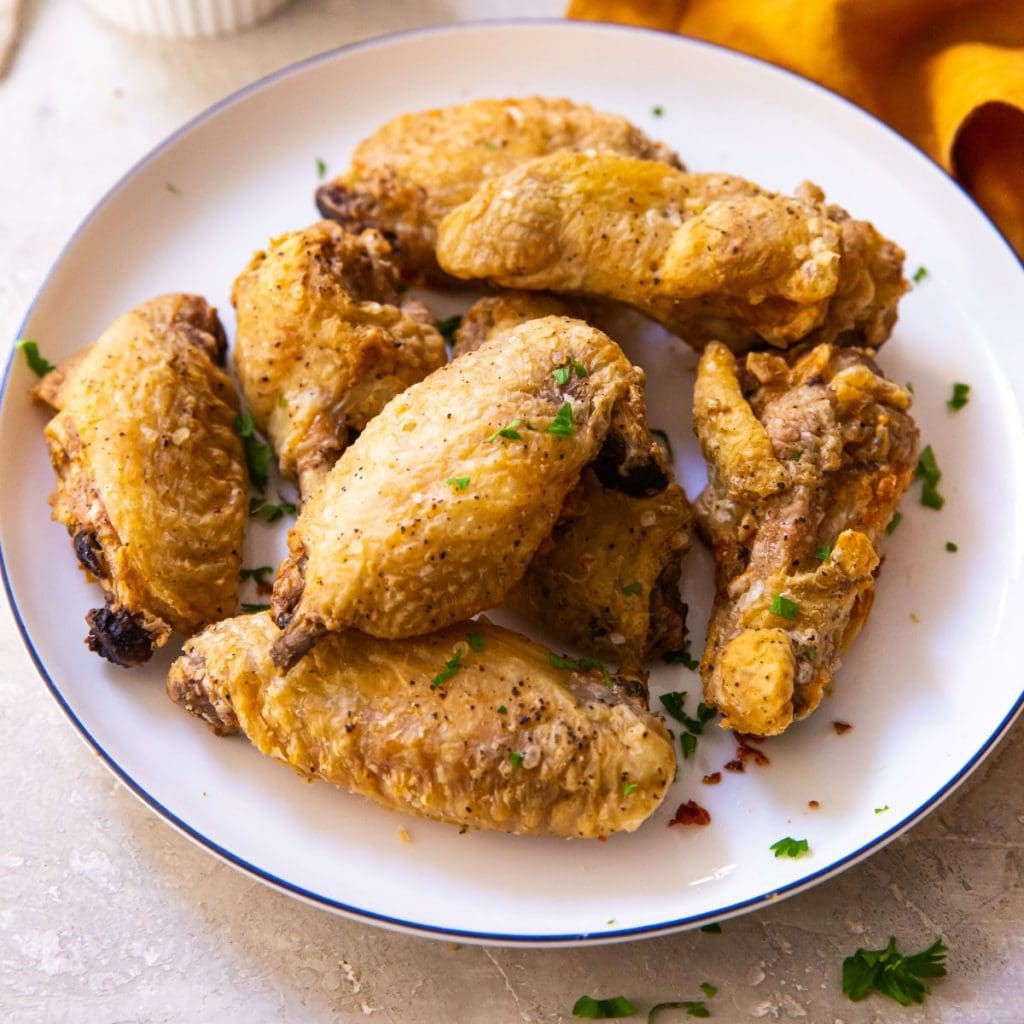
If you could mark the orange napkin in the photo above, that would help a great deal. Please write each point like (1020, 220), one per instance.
(947, 74)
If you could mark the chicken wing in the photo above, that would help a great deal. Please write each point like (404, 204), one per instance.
(434, 513)
(710, 256)
(805, 473)
(471, 725)
(322, 344)
(607, 580)
(415, 169)
(151, 481)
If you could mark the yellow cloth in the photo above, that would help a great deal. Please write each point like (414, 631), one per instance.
(947, 74)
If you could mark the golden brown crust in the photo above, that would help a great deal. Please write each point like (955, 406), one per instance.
(505, 742)
(711, 256)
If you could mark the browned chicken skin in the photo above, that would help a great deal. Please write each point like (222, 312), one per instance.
(416, 168)
(322, 344)
(150, 474)
(807, 464)
(504, 740)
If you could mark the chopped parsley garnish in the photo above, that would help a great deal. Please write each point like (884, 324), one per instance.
(959, 397)
(789, 847)
(563, 373)
(257, 454)
(252, 609)
(823, 553)
(561, 661)
(657, 110)
(712, 929)
(321, 168)
(451, 666)
(516, 758)
(259, 508)
(448, 327)
(681, 657)
(882, 810)
(919, 275)
(784, 607)
(561, 425)
(509, 431)
(687, 744)
(897, 518)
(36, 363)
(258, 575)
(603, 1009)
(796, 454)
(662, 438)
(460, 483)
(808, 651)
(950, 546)
(708, 989)
(476, 642)
(693, 1008)
(928, 470)
(629, 788)
(502, 710)
(674, 704)
(633, 589)
(894, 975)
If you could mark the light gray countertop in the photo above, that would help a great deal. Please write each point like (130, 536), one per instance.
(107, 915)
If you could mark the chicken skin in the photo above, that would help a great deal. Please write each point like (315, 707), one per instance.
(416, 168)
(322, 344)
(435, 511)
(807, 462)
(710, 256)
(151, 480)
(472, 725)
(607, 580)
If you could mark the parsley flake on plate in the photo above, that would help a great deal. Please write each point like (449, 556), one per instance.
(252, 609)
(321, 168)
(448, 327)
(258, 574)
(789, 847)
(930, 474)
(951, 546)
(708, 989)
(561, 425)
(881, 810)
(960, 396)
(36, 363)
(257, 454)
(892, 974)
(603, 1009)
(784, 607)
(897, 518)
(657, 110)
(674, 704)
(681, 657)
(259, 508)
(919, 275)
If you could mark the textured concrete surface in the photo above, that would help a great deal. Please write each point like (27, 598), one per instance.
(107, 916)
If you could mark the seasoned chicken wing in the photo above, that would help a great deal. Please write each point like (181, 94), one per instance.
(607, 579)
(415, 169)
(151, 481)
(434, 513)
(322, 344)
(471, 725)
(807, 464)
(710, 256)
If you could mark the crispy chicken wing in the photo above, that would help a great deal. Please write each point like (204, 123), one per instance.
(151, 480)
(805, 474)
(434, 513)
(710, 256)
(322, 344)
(607, 580)
(471, 725)
(415, 169)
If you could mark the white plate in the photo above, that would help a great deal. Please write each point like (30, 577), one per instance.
(931, 684)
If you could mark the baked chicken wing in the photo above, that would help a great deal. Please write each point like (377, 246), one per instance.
(471, 725)
(415, 169)
(322, 343)
(711, 256)
(807, 462)
(151, 481)
(435, 511)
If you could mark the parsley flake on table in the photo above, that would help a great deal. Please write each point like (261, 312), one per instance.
(561, 425)
(252, 609)
(789, 847)
(448, 327)
(919, 275)
(633, 589)
(681, 657)
(259, 508)
(892, 974)
(693, 1008)
(784, 607)
(460, 483)
(321, 168)
(257, 454)
(930, 474)
(258, 575)
(603, 1009)
(476, 642)
(960, 396)
(897, 518)
(708, 989)
(451, 666)
(36, 363)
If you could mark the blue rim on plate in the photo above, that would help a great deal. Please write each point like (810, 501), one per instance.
(396, 923)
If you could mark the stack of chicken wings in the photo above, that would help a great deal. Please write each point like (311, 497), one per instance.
(522, 472)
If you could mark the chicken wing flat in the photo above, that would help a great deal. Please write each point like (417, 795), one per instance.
(151, 480)
(415, 169)
(807, 462)
(607, 579)
(322, 344)
(434, 513)
(711, 256)
(471, 725)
